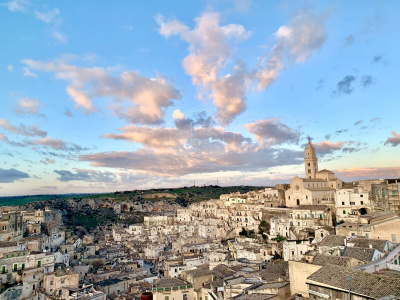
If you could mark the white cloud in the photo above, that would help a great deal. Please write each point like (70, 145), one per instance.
(297, 42)
(209, 51)
(27, 106)
(177, 114)
(59, 36)
(10, 68)
(28, 72)
(17, 5)
(136, 98)
(49, 16)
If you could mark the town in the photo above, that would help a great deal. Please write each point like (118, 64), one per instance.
(316, 237)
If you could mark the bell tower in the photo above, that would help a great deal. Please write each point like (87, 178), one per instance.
(310, 161)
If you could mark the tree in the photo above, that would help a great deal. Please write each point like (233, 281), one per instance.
(243, 232)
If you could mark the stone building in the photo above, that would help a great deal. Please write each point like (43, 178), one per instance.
(318, 187)
(350, 205)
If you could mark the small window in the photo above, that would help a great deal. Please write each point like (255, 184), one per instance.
(344, 212)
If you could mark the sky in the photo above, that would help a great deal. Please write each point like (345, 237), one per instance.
(120, 95)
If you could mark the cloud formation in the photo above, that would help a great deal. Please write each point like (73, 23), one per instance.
(345, 86)
(209, 50)
(367, 80)
(170, 164)
(272, 132)
(296, 42)
(11, 175)
(355, 173)
(28, 73)
(394, 140)
(85, 175)
(327, 147)
(22, 129)
(48, 16)
(56, 144)
(136, 98)
(16, 5)
(27, 106)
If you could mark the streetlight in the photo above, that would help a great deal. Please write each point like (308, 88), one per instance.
(349, 279)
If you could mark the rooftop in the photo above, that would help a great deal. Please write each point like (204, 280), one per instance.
(323, 260)
(362, 283)
(169, 282)
(333, 240)
(363, 254)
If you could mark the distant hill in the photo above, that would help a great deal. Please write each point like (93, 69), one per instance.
(186, 194)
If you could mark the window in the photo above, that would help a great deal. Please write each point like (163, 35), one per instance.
(4, 227)
(352, 203)
(362, 202)
(342, 203)
(309, 164)
(39, 263)
(344, 212)
(361, 195)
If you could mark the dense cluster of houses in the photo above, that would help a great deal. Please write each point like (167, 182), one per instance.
(315, 238)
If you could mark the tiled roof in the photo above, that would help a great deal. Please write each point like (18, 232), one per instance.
(169, 282)
(325, 171)
(198, 272)
(323, 260)
(363, 254)
(333, 240)
(365, 243)
(223, 271)
(281, 267)
(362, 283)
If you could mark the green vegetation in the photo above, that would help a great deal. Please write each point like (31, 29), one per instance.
(263, 228)
(279, 238)
(185, 195)
(90, 221)
(247, 233)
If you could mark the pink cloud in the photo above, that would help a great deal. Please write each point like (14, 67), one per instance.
(394, 141)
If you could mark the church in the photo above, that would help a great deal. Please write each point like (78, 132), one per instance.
(317, 188)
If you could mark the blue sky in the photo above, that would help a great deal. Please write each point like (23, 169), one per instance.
(106, 96)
